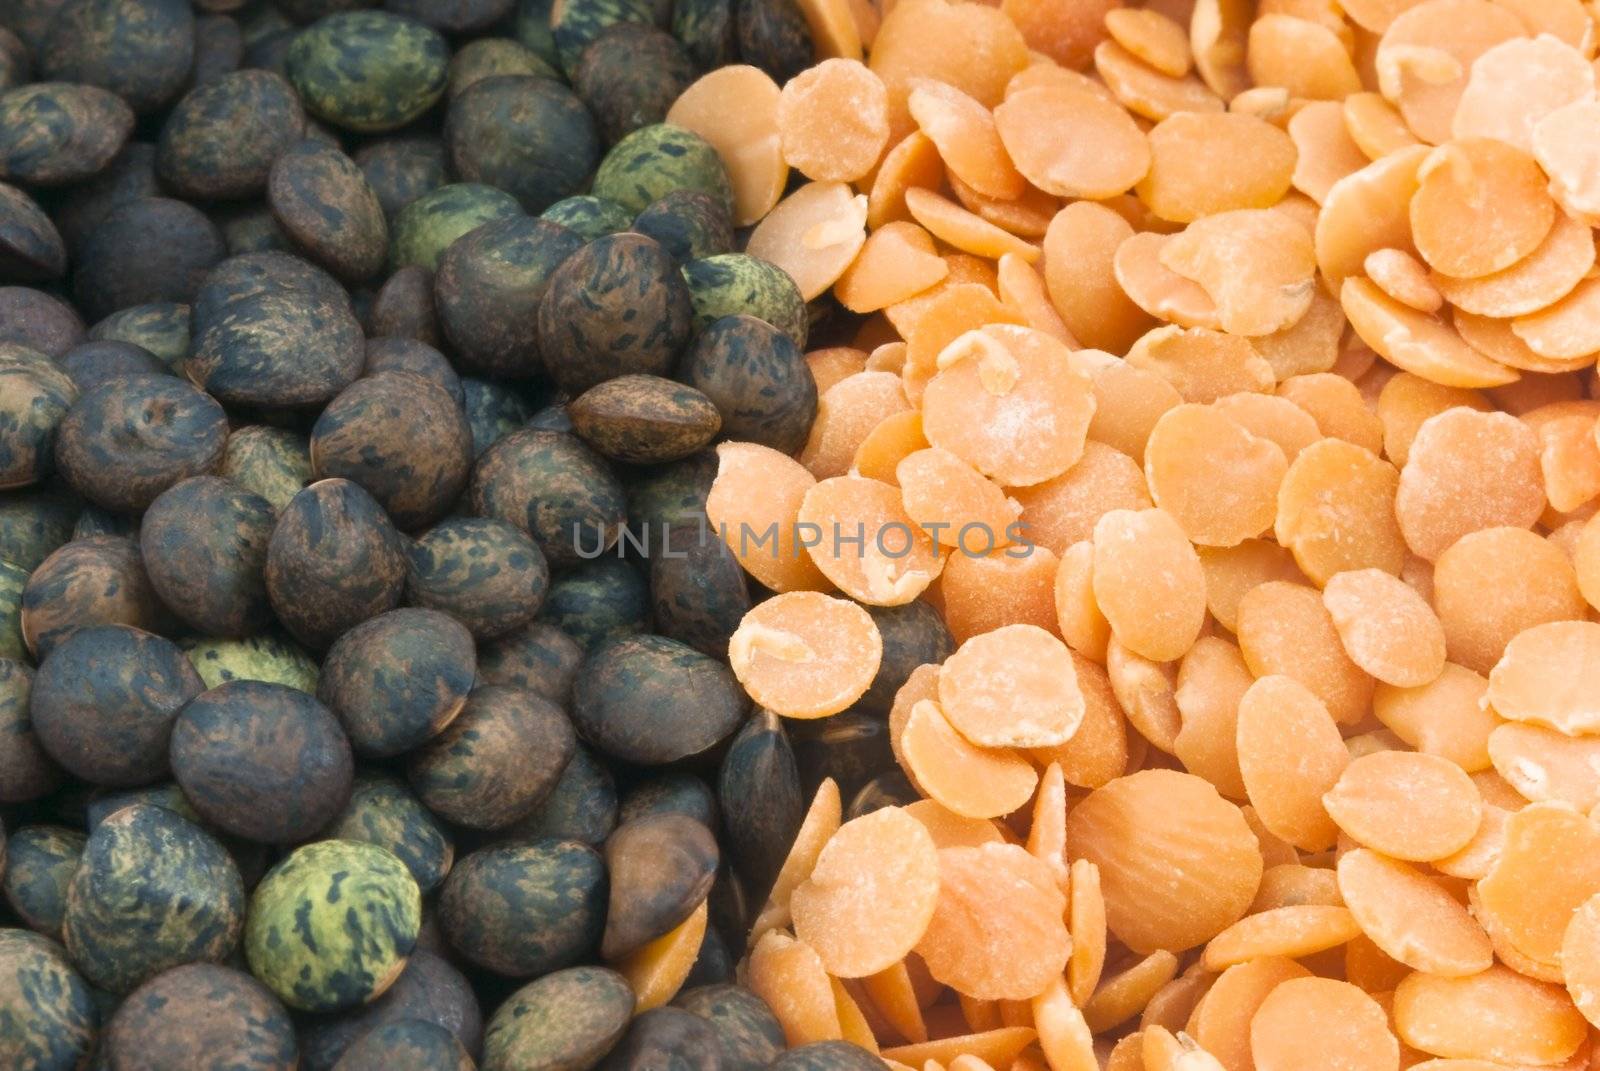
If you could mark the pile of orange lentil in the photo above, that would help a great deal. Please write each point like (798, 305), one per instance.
(1256, 339)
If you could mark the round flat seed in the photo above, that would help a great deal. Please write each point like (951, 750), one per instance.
(1290, 932)
(1211, 681)
(1072, 142)
(1147, 92)
(945, 495)
(981, 405)
(1546, 677)
(1580, 958)
(1566, 330)
(1445, 717)
(897, 262)
(847, 412)
(1407, 401)
(1158, 290)
(895, 438)
(1335, 511)
(949, 313)
(1399, 275)
(816, 829)
(1221, 1022)
(951, 830)
(964, 133)
(789, 976)
(1375, 126)
(972, 781)
(1497, 1016)
(1128, 402)
(1480, 207)
(1146, 691)
(1350, 1029)
(1367, 211)
(1257, 266)
(967, 231)
(1426, 55)
(1270, 417)
(813, 234)
(1178, 863)
(1325, 151)
(1303, 57)
(1406, 805)
(998, 932)
(1148, 582)
(1013, 687)
(871, 895)
(1544, 765)
(1216, 479)
(1232, 571)
(833, 121)
(1079, 273)
(1152, 37)
(1515, 84)
(803, 654)
(1412, 917)
(1423, 345)
(1468, 471)
(1498, 340)
(1285, 629)
(977, 50)
(1386, 628)
(1563, 143)
(1202, 364)
(1125, 994)
(1219, 37)
(1098, 751)
(1493, 584)
(735, 108)
(1290, 753)
(1536, 282)
(863, 540)
(757, 490)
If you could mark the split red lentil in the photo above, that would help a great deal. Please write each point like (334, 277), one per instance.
(1260, 340)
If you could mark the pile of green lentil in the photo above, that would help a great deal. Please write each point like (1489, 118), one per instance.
(334, 344)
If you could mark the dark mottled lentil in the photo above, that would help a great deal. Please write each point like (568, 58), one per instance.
(130, 176)
(153, 891)
(828, 1056)
(666, 1039)
(267, 657)
(850, 747)
(204, 546)
(126, 441)
(773, 35)
(757, 378)
(272, 330)
(162, 327)
(153, 249)
(762, 801)
(651, 700)
(38, 321)
(325, 205)
(555, 489)
(331, 925)
(104, 700)
(334, 560)
(262, 761)
(35, 398)
(34, 522)
(97, 580)
(47, 1008)
(654, 160)
(428, 990)
(706, 29)
(490, 56)
(565, 1021)
(418, 358)
(57, 133)
(27, 772)
(629, 76)
(597, 601)
(485, 573)
(401, 437)
(489, 287)
(670, 793)
(406, 1045)
(527, 135)
(588, 216)
(201, 1008)
(402, 169)
(92, 363)
(403, 308)
(698, 590)
(383, 811)
(274, 463)
(426, 227)
(220, 140)
(524, 910)
(40, 862)
(368, 71)
(582, 807)
(141, 50)
(31, 249)
(661, 869)
(494, 411)
(538, 657)
(496, 761)
(750, 1035)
